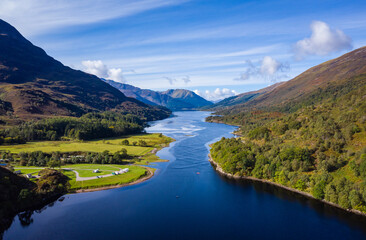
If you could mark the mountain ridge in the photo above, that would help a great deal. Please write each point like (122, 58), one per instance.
(35, 85)
(335, 76)
(174, 99)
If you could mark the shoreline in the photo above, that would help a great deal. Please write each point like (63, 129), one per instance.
(305, 194)
(140, 180)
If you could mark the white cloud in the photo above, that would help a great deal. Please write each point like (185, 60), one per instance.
(269, 68)
(323, 41)
(186, 79)
(172, 81)
(116, 74)
(101, 70)
(34, 16)
(216, 95)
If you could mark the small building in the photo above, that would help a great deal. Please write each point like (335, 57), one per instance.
(29, 175)
(18, 172)
(124, 170)
(96, 171)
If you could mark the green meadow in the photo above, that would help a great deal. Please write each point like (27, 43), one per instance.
(112, 145)
(142, 155)
(134, 173)
(86, 170)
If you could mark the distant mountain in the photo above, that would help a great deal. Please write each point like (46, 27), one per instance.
(188, 97)
(241, 98)
(175, 100)
(34, 85)
(331, 79)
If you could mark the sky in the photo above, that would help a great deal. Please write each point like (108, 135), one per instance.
(217, 48)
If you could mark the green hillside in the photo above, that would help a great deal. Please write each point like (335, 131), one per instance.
(312, 139)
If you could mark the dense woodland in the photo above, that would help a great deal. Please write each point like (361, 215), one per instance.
(56, 159)
(317, 146)
(89, 126)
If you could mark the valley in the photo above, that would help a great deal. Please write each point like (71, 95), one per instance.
(182, 120)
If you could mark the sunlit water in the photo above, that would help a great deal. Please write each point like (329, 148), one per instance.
(187, 199)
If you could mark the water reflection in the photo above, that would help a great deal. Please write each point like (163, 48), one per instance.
(325, 210)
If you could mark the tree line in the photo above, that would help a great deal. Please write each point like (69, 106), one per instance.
(56, 159)
(89, 126)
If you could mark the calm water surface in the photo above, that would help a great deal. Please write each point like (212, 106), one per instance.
(179, 203)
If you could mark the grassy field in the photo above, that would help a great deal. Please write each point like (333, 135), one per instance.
(112, 145)
(86, 170)
(27, 170)
(135, 173)
(141, 156)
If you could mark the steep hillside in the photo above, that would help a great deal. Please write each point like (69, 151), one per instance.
(17, 193)
(241, 98)
(175, 100)
(337, 76)
(308, 134)
(34, 85)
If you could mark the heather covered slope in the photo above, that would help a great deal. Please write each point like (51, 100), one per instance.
(241, 98)
(330, 79)
(34, 85)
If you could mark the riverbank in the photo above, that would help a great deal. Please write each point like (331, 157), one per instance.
(308, 195)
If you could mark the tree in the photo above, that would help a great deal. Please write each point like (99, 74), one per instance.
(54, 164)
(142, 143)
(318, 190)
(355, 198)
(24, 194)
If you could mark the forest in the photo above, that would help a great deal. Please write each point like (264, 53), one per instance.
(56, 159)
(89, 126)
(319, 148)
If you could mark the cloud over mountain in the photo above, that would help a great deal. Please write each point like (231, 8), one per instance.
(172, 81)
(101, 70)
(216, 95)
(323, 41)
(268, 68)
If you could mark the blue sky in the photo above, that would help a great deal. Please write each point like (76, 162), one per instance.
(203, 45)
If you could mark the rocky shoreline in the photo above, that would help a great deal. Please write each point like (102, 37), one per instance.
(308, 195)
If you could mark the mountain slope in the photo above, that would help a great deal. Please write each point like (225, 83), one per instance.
(188, 97)
(34, 85)
(173, 99)
(308, 134)
(337, 76)
(241, 98)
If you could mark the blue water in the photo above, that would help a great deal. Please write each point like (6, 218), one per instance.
(178, 203)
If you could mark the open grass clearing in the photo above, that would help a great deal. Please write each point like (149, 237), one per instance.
(112, 145)
(135, 172)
